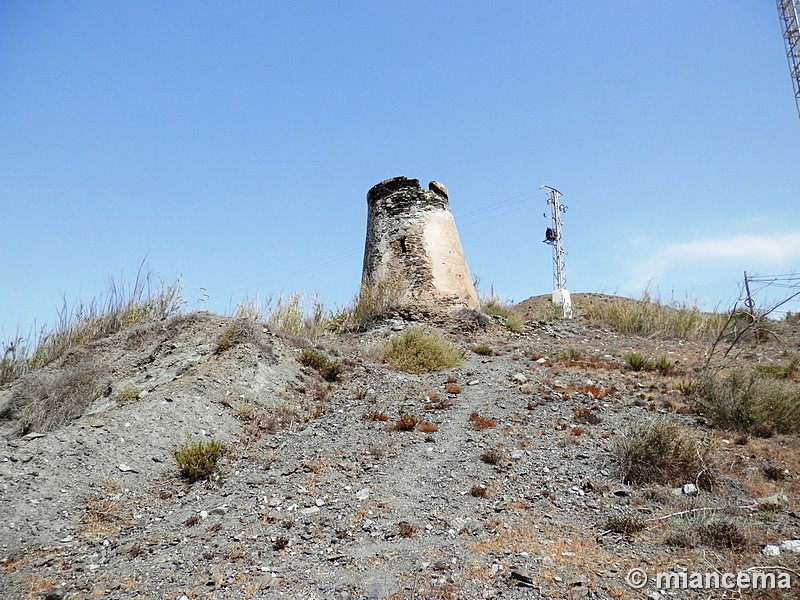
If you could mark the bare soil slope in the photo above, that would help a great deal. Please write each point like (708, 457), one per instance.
(509, 494)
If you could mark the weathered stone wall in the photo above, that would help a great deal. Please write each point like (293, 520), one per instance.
(412, 237)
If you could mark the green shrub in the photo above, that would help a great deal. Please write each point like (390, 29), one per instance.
(199, 460)
(780, 371)
(663, 452)
(747, 400)
(330, 370)
(513, 320)
(636, 361)
(483, 350)
(420, 351)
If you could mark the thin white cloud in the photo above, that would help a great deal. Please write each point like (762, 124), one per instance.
(714, 264)
(756, 249)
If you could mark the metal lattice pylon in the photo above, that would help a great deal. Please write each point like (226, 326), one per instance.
(788, 10)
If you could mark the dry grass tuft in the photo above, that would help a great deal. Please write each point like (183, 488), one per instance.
(495, 307)
(650, 317)
(46, 401)
(663, 452)
(329, 370)
(452, 388)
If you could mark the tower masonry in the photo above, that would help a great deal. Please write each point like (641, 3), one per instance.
(412, 238)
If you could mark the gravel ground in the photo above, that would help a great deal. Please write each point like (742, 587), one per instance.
(318, 498)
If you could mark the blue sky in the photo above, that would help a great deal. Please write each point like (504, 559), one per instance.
(232, 143)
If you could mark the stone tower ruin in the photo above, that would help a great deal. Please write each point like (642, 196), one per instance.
(412, 239)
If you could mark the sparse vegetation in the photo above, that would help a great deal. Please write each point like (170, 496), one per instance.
(493, 457)
(626, 524)
(637, 362)
(495, 307)
(329, 370)
(199, 460)
(128, 394)
(663, 452)
(480, 423)
(479, 491)
(748, 400)
(650, 317)
(237, 332)
(374, 302)
(121, 306)
(483, 350)
(721, 533)
(46, 401)
(420, 351)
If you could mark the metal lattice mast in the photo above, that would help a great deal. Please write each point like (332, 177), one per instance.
(553, 237)
(788, 10)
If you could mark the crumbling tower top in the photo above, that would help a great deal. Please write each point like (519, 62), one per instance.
(412, 238)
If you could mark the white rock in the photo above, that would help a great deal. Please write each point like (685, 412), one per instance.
(770, 550)
(363, 493)
(690, 489)
(520, 378)
(791, 546)
(203, 514)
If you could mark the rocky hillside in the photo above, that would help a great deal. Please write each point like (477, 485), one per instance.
(503, 478)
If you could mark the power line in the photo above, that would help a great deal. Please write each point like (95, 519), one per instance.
(489, 211)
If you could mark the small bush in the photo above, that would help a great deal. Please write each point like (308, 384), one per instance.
(406, 529)
(329, 370)
(199, 460)
(637, 362)
(405, 422)
(452, 388)
(128, 394)
(719, 533)
(480, 423)
(479, 491)
(493, 457)
(663, 452)
(237, 332)
(626, 524)
(376, 415)
(746, 400)
(419, 351)
(785, 371)
(483, 350)
(513, 320)
(427, 427)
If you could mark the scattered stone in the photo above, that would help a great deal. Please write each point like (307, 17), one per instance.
(521, 578)
(779, 499)
(363, 493)
(770, 550)
(791, 546)
(126, 469)
(690, 489)
(520, 378)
